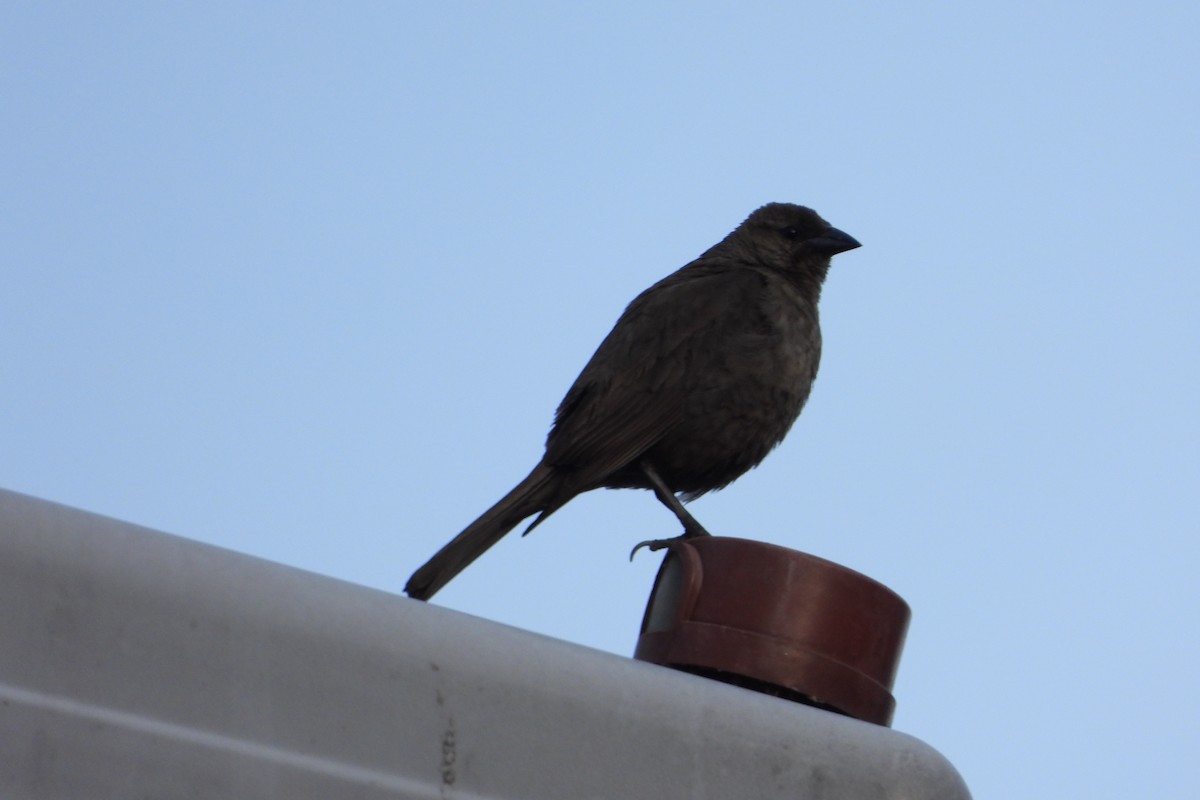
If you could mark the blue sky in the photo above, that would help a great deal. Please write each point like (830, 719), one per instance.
(307, 281)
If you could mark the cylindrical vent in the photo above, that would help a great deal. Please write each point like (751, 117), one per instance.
(779, 621)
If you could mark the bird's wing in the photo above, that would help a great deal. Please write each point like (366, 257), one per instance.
(631, 392)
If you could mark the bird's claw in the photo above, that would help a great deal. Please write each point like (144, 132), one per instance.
(654, 545)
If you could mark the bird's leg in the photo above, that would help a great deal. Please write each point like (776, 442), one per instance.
(691, 528)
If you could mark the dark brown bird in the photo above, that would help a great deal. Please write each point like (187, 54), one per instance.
(700, 378)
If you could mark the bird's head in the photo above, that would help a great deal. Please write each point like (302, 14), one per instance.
(786, 236)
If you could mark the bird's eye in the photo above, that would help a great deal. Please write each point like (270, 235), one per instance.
(792, 233)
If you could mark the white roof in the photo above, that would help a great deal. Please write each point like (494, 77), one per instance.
(135, 663)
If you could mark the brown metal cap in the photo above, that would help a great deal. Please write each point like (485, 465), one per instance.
(779, 621)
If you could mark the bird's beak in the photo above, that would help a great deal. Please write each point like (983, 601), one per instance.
(832, 242)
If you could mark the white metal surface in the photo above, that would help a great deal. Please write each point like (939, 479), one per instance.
(138, 664)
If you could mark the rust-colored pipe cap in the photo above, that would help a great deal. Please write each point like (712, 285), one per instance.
(779, 621)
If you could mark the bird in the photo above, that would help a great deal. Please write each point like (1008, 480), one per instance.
(700, 378)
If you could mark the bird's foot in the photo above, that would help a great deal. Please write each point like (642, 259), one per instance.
(654, 545)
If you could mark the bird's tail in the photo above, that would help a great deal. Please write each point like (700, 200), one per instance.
(530, 496)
